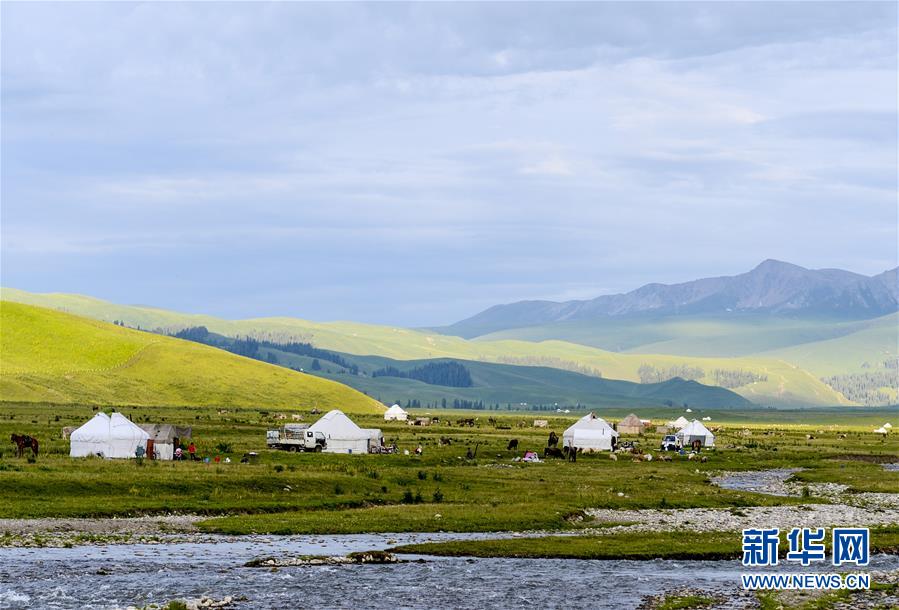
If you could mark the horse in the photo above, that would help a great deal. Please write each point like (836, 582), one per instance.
(553, 440)
(513, 445)
(23, 442)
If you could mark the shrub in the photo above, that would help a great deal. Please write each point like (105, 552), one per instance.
(279, 468)
(437, 476)
(438, 496)
(407, 497)
(338, 490)
(422, 475)
(224, 447)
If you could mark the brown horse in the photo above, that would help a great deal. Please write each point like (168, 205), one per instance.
(23, 442)
(553, 439)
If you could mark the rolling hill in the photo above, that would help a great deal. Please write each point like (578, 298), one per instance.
(55, 357)
(773, 287)
(486, 383)
(781, 382)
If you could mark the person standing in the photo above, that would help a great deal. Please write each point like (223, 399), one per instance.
(192, 450)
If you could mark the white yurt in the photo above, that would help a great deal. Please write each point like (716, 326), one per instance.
(396, 413)
(590, 433)
(342, 435)
(107, 436)
(695, 431)
(680, 422)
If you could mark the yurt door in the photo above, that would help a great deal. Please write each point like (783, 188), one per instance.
(151, 453)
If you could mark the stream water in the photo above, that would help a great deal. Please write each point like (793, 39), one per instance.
(133, 574)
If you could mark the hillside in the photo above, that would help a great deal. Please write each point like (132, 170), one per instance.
(49, 356)
(476, 382)
(708, 336)
(784, 383)
(773, 287)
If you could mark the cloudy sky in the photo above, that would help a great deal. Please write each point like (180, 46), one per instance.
(414, 164)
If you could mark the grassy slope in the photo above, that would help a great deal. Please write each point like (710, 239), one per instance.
(824, 346)
(506, 384)
(875, 341)
(49, 356)
(787, 384)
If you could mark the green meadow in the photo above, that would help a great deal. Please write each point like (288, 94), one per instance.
(442, 490)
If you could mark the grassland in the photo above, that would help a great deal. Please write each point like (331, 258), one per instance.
(439, 491)
(786, 383)
(53, 357)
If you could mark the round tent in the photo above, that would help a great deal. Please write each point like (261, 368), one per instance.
(342, 435)
(695, 431)
(396, 413)
(590, 433)
(107, 436)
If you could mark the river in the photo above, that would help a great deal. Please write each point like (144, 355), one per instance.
(116, 576)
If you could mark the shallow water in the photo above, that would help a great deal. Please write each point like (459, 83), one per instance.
(121, 575)
(760, 481)
(892, 467)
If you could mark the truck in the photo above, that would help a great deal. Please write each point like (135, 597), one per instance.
(670, 443)
(296, 437)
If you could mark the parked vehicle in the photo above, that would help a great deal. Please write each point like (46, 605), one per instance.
(295, 437)
(669, 443)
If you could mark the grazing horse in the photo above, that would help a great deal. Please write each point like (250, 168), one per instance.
(552, 452)
(23, 442)
(553, 440)
(513, 445)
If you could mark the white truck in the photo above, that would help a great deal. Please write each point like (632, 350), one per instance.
(295, 437)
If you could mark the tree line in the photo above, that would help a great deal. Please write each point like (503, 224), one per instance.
(251, 348)
(725, 378)
(451, 374)
(874, 388)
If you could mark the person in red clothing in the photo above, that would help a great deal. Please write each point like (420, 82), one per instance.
(192, 450)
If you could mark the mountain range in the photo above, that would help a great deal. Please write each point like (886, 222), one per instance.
(773, 287)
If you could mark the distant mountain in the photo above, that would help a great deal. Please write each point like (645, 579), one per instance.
(773, 287)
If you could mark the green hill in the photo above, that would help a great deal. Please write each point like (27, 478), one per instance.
(49, 356)
(487, 383)
(782, 383)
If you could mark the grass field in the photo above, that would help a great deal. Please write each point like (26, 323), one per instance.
(441, 490)
(54, 357)
(786, 383)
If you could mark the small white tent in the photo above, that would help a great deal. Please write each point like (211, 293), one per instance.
(695, 431)
(110, 437)
(590, 433)
(396, 413)
(679, 423)
(344, 436)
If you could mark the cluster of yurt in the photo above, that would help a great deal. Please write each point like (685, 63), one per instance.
(590, 433)
(109, 436)
(342, 435)
(117, 437)
(396, 413)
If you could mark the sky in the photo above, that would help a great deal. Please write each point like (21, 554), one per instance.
(413, 164)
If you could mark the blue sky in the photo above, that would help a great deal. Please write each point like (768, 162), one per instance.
(414, 164)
